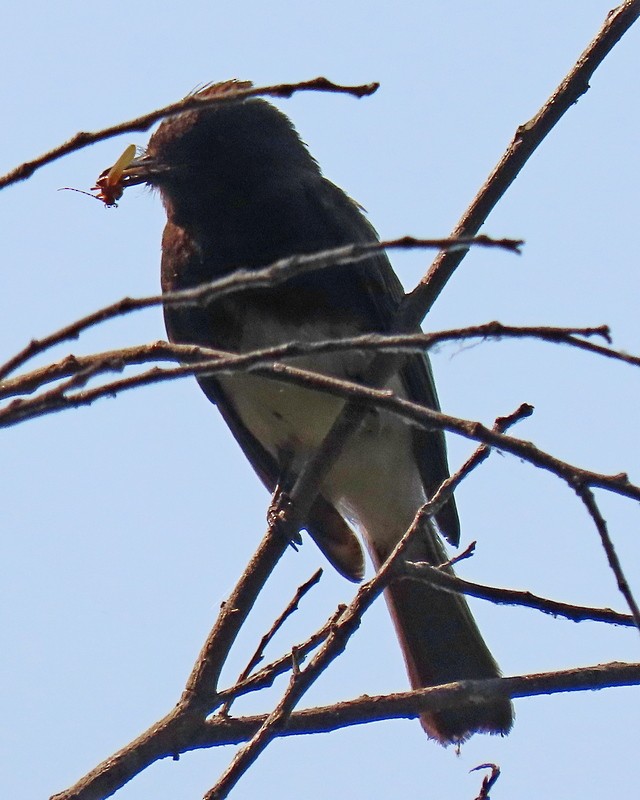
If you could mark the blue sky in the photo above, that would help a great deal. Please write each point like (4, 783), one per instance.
(127, 523)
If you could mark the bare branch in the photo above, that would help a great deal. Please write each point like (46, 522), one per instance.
(526, 141)
(364, 395)
(409, 705)
(175, 735)
(201, 688)
(266, 676)
(434, 576)
(448, 486)
(586, 495)
(242, 280)
(145, 121)
(117, 360)
(258, 655)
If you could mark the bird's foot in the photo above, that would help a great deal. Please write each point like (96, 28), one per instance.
(279, 516)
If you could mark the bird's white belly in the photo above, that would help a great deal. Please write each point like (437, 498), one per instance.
(282, 416)
(375, 481)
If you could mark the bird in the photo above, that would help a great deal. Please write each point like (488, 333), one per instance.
(242, 191)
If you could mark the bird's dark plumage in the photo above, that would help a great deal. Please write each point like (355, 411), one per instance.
(241, 191)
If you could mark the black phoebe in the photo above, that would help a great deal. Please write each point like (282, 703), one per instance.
(240, 189)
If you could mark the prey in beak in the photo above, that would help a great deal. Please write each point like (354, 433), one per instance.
(127, 171)
(110, 183)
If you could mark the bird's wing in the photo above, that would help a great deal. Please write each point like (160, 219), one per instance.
(380, 293)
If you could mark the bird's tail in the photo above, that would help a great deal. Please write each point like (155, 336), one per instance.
(441, 643)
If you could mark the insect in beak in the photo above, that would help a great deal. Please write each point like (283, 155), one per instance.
(109, 185)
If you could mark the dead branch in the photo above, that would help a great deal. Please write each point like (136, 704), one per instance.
(145, 121)
(241, 280)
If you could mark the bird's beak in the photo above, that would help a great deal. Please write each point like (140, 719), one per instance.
(141, 170)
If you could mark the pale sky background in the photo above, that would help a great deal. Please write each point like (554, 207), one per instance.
(126, 524)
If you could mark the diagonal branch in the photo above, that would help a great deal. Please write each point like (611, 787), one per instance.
(417, 304)
(258, 655)
(586, 495)
(185, 728)
(200, 692)
(145, 121)
(421, 571)
(344, 628)
(526, 141)
(266, 676)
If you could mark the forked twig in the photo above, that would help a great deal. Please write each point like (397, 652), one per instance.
(258, 654)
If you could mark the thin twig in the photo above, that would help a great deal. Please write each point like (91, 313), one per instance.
(468, 552)
(266, 676)
(381, 398)
(258, 655)
(526, 141)
(449, 485)
(242, 280)
(117, 360)
(434, 576)
(145, 121)
(586, 495)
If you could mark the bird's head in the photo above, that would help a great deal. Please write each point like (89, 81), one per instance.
(220, 149)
